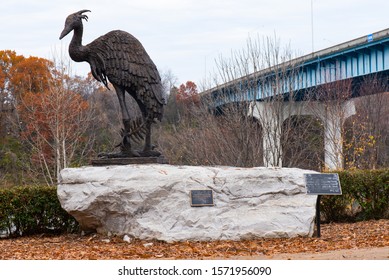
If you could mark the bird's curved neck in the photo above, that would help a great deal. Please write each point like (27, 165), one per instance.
(76, 50)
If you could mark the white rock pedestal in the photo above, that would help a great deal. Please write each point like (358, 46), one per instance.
(153, 201)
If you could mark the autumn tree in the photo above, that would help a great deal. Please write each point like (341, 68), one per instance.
(4, 105)
(367, 132)
(8, 60)
(30, 74)
(187, 94)
(17, 75)
(172, 111)
(51, 119)
(180, 100)
(2, 78)
(54, 122)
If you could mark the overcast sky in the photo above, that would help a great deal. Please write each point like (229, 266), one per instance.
(186, 36)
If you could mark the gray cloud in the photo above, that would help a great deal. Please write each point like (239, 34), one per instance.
(187, 35)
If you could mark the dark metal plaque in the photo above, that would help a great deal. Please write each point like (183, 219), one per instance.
(323, 184)
(201, 198)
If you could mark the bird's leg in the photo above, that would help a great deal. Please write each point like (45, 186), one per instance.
(120, 92)
(147, 147)
(125, 146)
(147, 150)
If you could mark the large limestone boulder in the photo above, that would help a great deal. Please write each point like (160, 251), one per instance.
(153, 201)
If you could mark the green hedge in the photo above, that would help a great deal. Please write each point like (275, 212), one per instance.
(365, 195)
(33, 210)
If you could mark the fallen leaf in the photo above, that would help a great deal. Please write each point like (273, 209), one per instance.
(71, 246)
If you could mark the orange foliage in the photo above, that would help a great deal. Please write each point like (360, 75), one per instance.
(188, 94)
(31, 74)
(2, 79)
(19, 74)
(50, 116)
(53, 118)
(8, 59)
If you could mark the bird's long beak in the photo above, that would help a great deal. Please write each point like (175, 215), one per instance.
(65, 32)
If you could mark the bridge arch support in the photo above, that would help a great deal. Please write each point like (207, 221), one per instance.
(271, 116)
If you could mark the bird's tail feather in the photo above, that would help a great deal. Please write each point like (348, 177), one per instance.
(135, 129)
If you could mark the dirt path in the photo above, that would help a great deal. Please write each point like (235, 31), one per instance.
(350, 254)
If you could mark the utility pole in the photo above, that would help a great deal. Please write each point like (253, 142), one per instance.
(313, 49)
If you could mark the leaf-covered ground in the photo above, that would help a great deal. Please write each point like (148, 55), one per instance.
(366, 234)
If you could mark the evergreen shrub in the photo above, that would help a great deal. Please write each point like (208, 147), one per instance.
(365, 195)
(33, 210)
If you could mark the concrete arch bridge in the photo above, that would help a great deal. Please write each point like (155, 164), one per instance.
(323, 84)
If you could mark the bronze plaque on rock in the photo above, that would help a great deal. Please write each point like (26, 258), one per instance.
(201, 198)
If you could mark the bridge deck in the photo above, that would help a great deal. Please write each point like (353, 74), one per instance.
(356, 58)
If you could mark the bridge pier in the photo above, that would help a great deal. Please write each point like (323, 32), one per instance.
(272, 115)
(333, 117)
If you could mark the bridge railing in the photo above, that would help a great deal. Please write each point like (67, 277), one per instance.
(360, 57)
